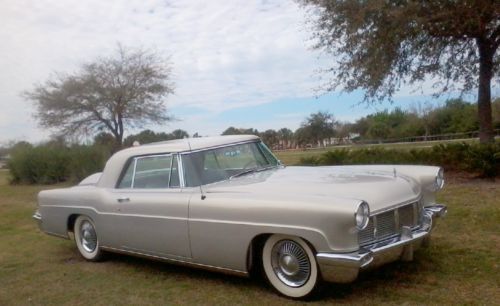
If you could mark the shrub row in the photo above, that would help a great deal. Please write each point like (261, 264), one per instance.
(48, 164)
(483, 160)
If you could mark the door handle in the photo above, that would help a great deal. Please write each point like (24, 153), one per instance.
(121, 200)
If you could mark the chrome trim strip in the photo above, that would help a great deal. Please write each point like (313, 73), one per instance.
(180, 166)
(396, 206)
(57, 235)
(437, 210)
(171, 164)
(37, 216)
(347, 260)
(80, 208)
(133, 173)
(221, 146)
(178, 261)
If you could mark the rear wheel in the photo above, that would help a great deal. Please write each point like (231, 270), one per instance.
(290, 266)
(86, 238)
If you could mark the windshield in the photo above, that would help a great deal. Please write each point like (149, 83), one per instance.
(220, 164)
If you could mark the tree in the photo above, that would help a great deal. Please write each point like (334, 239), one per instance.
(379, 130)
(270, 137)
(232, 131)
(343, 131)
(318, 127)
(149, 136)
(302, 136)
(105, 139)
(179, 134)
(285, 136)
(146, 136)
(456, 116)
(108, 94)
(424, 111)
(240, 131)
(380, 45)
(496, 113)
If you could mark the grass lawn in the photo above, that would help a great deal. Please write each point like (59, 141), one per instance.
(460, 267)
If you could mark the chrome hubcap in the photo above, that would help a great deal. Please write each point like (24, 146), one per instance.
(88, 237)
(290, 263)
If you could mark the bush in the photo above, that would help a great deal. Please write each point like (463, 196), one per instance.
(49, 163)
(483, 160)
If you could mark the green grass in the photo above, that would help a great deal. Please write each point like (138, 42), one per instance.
(461, 266)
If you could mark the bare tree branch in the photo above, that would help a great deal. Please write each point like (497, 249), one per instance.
(110, 93)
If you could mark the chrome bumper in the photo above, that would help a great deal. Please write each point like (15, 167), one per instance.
(344, 268)
(38, 218)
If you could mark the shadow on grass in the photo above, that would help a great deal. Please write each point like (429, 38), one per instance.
(381, 281)
(177, 271)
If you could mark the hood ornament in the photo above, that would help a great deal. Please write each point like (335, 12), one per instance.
(395, 174)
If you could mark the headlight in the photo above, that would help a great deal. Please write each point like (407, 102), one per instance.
(362, 215)
(440, 179)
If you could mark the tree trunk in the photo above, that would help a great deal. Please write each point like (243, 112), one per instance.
(486, 53)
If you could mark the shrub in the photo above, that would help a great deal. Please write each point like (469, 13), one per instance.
(86, 160)
(483, 160)
(49, 163)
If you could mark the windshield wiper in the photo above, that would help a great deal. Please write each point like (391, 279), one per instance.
(251, 171)
(242, 173)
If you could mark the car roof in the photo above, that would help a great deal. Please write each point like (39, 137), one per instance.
(192, 144)
(115, 164)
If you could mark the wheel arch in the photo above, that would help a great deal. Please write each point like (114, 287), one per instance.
(71, 222)
(254, 251)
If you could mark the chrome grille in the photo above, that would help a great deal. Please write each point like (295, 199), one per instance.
(407, 215)
(386, 224)
(367, 234)
(389, 223)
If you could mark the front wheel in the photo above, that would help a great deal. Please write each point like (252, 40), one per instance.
(86, 238)
(290, 266)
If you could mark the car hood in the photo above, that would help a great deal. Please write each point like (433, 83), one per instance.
(380, 187)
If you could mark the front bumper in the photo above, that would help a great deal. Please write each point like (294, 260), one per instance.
(38, 218)
(344, 268)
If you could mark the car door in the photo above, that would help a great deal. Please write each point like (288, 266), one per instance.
(152, 207)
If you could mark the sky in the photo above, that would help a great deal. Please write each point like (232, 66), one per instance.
(239, 63)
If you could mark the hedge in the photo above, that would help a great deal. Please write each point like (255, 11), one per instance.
(483, 160)
(48, 164)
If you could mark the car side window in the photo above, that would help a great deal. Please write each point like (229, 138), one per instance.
(126, 181)
(159, 171)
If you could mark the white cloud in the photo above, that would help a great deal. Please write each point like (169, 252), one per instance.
(225, 54)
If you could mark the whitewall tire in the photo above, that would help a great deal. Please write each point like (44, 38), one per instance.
(290, 266)
(86, 238)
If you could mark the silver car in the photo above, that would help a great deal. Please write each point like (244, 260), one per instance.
(228, 204)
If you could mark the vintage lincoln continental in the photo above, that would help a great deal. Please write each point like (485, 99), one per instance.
(227, 203)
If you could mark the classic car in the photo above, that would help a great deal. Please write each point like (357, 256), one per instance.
(228, 204)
